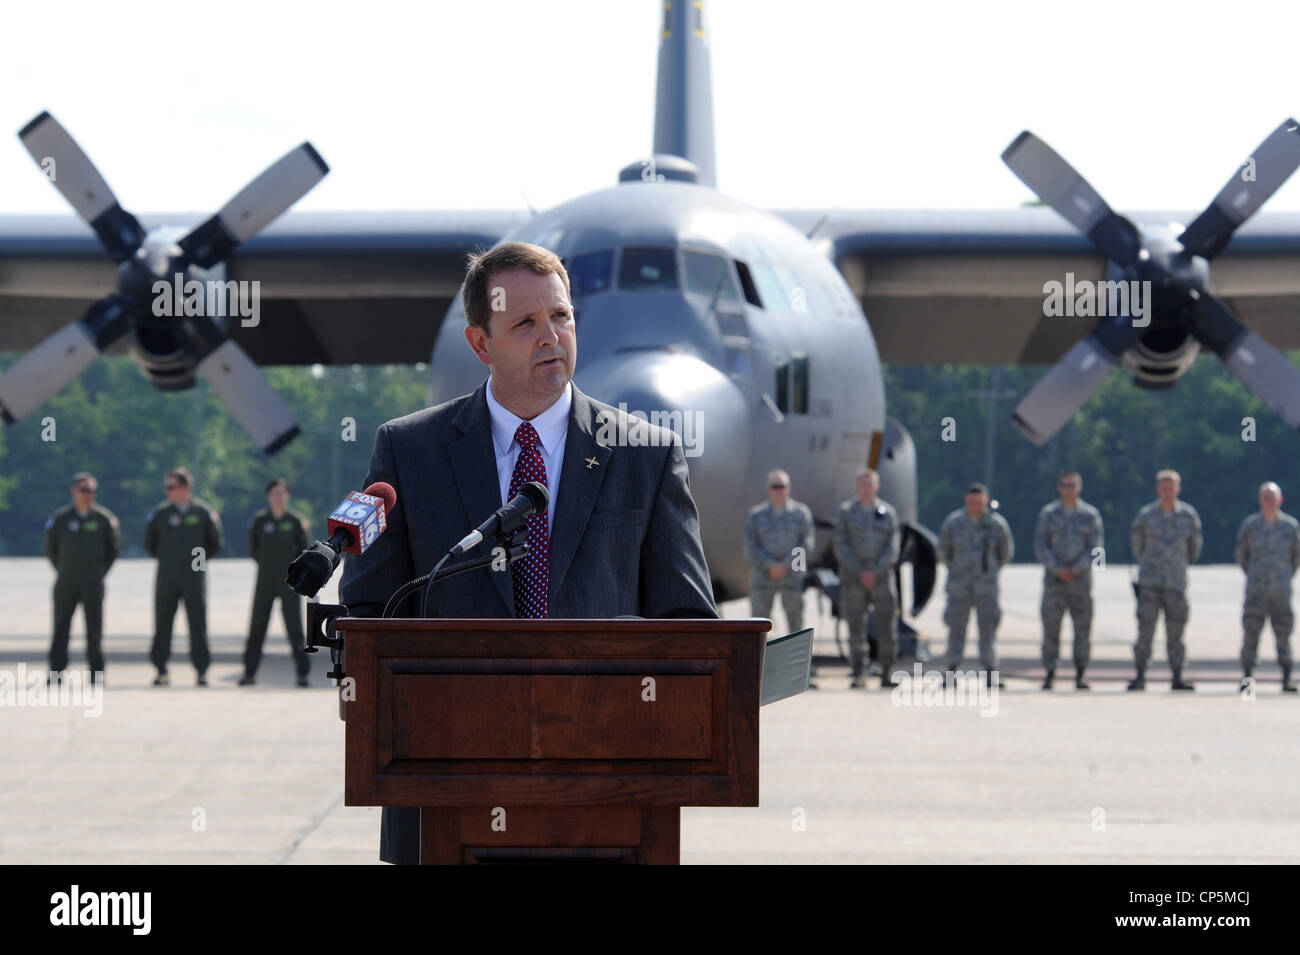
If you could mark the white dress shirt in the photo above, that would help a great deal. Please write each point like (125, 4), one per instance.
(552, 427)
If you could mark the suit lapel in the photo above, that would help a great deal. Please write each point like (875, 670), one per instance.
(474, 463)
(579, 485)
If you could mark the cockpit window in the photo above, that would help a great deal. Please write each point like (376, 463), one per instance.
(647, 269)
(590, 272)
(709, 275)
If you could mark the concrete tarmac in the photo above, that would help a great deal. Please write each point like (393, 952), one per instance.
(229, 774)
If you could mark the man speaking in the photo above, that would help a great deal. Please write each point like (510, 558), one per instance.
(621, 534)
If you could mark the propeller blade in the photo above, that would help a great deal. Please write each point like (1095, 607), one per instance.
(249, 397)
(1060, 393)
(263, 199)
(75, 176)
(1263, 369)
(1274, 161)
(1055, 182)
(53, 364)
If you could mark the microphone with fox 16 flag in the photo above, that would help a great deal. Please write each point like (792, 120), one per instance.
(354, 525)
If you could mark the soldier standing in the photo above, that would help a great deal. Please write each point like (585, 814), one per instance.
(1268, 550)
(866, 546)
(82, 539)
(275, 537)
(1166, 537)
(1068, 532)
(974, 543)
(779, 538)
(173, 532)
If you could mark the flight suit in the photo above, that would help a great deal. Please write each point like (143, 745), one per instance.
(868, 539)
(81, 547)
(1064, 540)
(273, 544)
(770, 538)
(1163, 545)
(171, 535)
(974, 552)
(1269, 553)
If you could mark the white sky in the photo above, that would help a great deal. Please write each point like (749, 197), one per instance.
(818, 103)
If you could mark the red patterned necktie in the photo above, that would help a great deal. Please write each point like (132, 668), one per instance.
(532, 573)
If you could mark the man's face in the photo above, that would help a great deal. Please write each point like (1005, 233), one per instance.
(976, 502)
(178, 492)
(278, 498)
(532, 348)
(1168, 490)
(868, 485)
(83, 494)
(778, 489)
(1270, 501)
(1069, 488)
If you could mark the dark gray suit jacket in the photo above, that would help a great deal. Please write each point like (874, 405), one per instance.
(626, 539)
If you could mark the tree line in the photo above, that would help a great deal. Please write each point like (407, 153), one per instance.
(113, 423)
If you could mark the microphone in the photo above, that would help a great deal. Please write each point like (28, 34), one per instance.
(354, 525)
(532, 498)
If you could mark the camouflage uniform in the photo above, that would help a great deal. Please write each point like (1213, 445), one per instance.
(171, 535)
(974, 552)
(81, 547)
(1064, 540)
(770, 538)
(1163, 543)
(1269, 553)
(867, 538)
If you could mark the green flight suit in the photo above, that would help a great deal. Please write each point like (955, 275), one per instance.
(171, 536)
(81, 547)
(273, 544)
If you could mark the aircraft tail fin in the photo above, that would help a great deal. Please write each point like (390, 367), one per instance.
(684, 89)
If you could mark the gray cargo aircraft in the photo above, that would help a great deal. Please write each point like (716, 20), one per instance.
(758, 334)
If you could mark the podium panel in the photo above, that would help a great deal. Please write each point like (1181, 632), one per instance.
(541, 740)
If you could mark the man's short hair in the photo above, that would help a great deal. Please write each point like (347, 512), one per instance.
(274, 483)
(507, 257)
(181, 474)
(1066, 475)
(1270, 486)
(868, 472)
(977, 488)
(1168, 474)
(84, 476)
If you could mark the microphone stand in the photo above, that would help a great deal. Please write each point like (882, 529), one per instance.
(321, 617)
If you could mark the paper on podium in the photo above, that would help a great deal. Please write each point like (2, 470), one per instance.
(786, 664)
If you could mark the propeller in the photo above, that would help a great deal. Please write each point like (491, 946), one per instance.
(198, 342)
(1180, 303)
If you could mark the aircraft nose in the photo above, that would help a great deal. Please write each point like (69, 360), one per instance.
(694, 399)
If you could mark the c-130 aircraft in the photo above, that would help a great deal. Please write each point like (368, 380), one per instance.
(750, 327)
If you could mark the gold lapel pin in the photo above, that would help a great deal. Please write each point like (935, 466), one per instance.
(592, 463)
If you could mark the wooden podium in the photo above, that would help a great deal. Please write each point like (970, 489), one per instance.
(552, 740)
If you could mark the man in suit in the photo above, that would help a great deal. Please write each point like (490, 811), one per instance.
(621, 534)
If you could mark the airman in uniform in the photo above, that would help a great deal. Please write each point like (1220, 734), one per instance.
(1165, 537)
(1068, 533)
(275, 537)
(82, 539)
(779, 539)
(1268, 550)
(173, 532)
(974, 543)
(867, 540)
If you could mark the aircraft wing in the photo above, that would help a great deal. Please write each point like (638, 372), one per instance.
(335, 288)
(967, 286)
